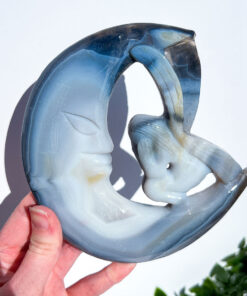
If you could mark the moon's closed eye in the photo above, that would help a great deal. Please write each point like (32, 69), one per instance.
(81, 124)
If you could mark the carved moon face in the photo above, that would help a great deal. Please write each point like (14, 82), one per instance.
(67, 148)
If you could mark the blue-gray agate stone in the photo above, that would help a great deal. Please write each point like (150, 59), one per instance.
(67, 148)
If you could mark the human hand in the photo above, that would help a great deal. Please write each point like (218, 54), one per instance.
(34, 259)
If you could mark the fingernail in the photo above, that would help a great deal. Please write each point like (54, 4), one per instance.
(39, 218)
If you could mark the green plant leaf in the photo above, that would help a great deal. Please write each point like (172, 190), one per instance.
(159, 292)
(220, 273)
(229, 257)
(183, 293)
(208, 288)
(242, 244)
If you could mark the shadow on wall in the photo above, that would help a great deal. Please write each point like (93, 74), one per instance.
(124, 165)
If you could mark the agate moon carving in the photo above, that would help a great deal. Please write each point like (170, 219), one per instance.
(67, 148)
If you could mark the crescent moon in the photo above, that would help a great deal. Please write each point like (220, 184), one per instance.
(67, 148)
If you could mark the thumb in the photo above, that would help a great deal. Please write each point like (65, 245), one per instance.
(42, 255)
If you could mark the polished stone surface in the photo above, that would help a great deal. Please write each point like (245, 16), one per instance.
(67, 147)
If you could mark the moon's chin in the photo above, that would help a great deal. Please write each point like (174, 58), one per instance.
(111, 207)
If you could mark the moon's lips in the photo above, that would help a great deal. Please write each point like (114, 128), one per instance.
(67, 148)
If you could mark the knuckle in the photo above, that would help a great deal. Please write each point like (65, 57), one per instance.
(111, 277)
(43, 247)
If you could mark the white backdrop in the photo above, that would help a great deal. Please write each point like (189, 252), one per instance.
(32, 33)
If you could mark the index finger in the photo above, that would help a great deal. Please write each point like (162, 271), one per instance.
(16, 231)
